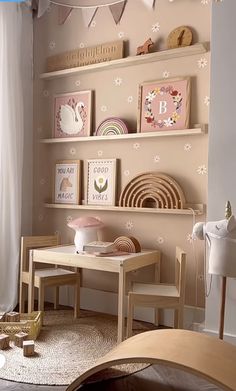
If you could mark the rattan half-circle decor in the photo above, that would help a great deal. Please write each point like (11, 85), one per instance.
(111, 126)
(153, 189)
(128, 244)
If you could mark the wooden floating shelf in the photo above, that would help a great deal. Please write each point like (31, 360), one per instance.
(198, 48)
(201, 129)
(196, 209)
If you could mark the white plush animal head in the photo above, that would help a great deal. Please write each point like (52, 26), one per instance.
(222, 228)
(221, 239)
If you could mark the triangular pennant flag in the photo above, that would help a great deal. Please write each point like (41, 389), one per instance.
(63, 14)
(42, 7)
(88, 15)
(149, 3)
(117, 10)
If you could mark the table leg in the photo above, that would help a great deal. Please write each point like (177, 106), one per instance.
(157, 276)
(121, 305)
(31, 283)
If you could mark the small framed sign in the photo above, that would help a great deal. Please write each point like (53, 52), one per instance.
(101, 182)
(164, 105)
(67, 188)
(72, 114)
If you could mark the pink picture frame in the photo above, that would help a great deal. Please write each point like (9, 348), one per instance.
(72, 114)
(164, 105)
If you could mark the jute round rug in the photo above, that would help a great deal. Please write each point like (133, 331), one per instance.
(65, 348)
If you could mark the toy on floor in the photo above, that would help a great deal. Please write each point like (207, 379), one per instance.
(4, 341)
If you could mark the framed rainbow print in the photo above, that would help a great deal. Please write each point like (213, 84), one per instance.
(164, 105)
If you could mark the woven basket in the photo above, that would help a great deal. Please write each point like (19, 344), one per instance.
(29, 323)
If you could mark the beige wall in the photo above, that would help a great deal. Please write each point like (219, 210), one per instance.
(153, 231)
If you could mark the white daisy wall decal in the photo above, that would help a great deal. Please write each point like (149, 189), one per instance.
(81, 45)
(202, 170)
(156, 159)
(52, 45)
(69, 218)
(103, 108)
(129, 225)
(166, 74)
(45, 93)
(156, 27)
(207, 100)
(187, 147)
(190, 238)
(121, 34)
(160, 240)
(202, 63)
(126, 172)
(130, 99)
(42, 181)
(118, 81)
(100, 153)
(136, 146)
(77, 83)
(72, 151)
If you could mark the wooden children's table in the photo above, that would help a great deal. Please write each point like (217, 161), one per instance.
(67, 256)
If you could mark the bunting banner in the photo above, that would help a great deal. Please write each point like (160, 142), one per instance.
(88, 15)
(63, 14)
(149, 3)
(117, 10)
(65, 8)
(42, 7)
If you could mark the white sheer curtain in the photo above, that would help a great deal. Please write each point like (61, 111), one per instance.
(11, 151)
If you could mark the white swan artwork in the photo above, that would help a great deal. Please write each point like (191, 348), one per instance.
(70, 119)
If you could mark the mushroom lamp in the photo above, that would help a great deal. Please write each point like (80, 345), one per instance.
(86, 230)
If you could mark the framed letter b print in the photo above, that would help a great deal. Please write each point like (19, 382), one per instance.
(101, 182)
(67, 182)
(164, 105)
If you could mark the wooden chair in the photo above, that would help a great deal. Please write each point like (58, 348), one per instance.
(49, 276)
(161, 295)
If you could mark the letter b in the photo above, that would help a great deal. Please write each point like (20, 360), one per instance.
(163, 107)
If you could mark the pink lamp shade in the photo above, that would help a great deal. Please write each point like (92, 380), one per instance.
(86, 231)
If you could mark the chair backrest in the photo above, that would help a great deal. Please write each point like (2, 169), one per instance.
(180, 271)
(30, 242)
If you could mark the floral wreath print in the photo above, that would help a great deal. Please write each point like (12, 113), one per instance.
(177, 101)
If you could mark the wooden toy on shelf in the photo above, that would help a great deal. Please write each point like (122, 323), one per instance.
(19, 338)
(12, 317)
(153, 189)
(145, 48)
(128, 244)
(28, 348)
(4, 341)
(111, 126)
